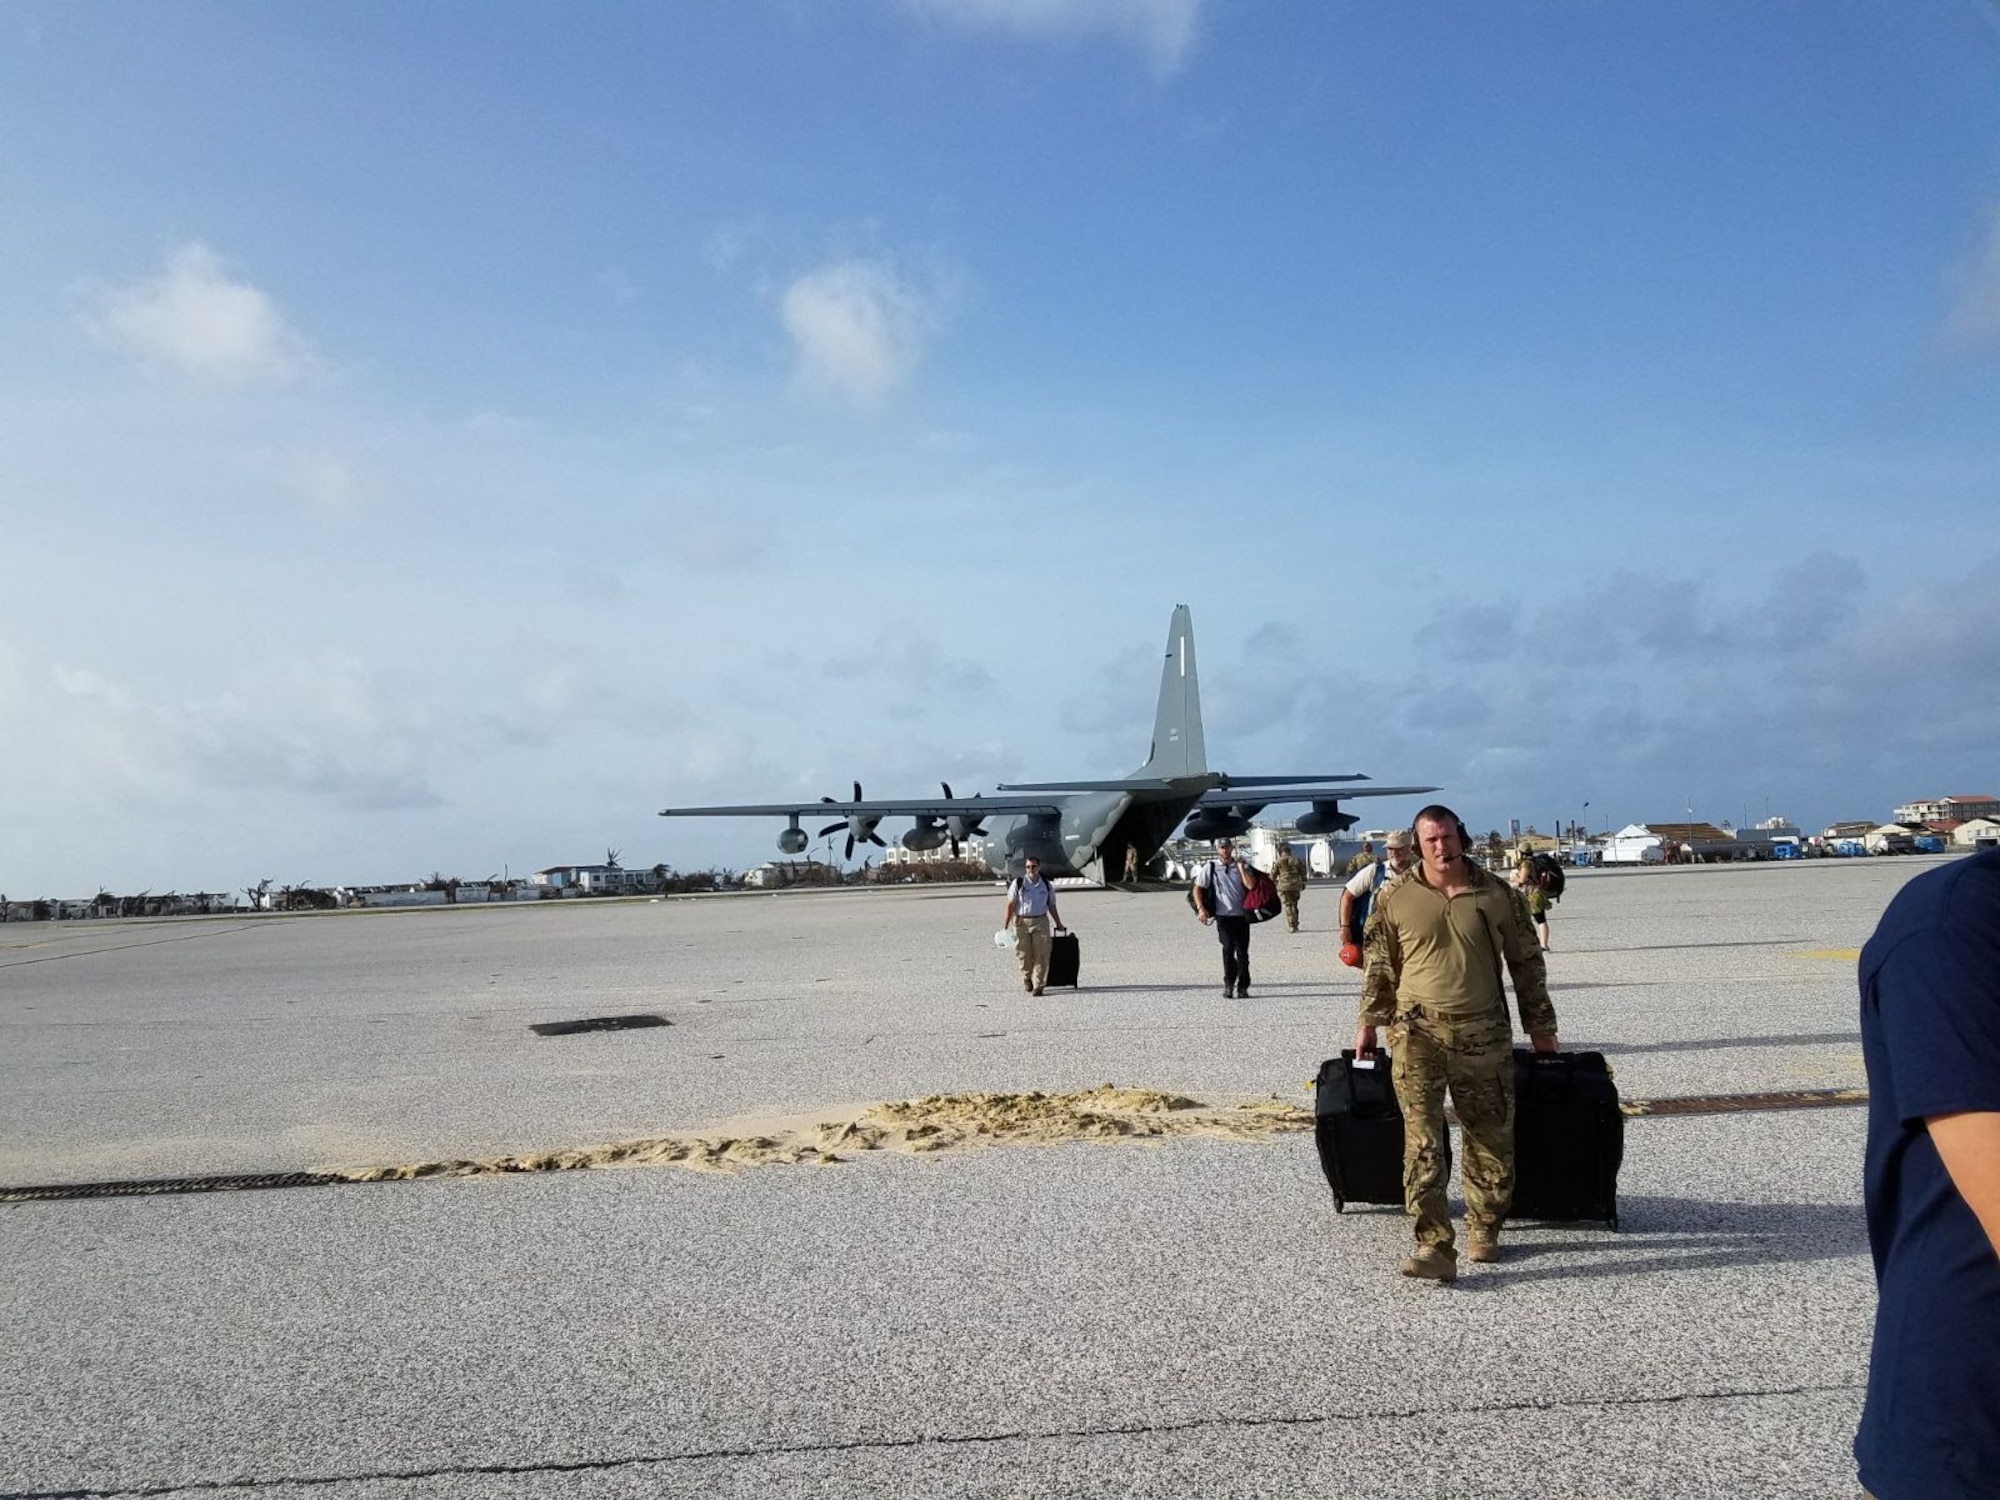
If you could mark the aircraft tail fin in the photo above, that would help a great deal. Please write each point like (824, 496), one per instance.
(1178, 747)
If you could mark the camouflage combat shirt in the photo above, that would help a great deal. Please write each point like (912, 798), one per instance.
(1424, 949)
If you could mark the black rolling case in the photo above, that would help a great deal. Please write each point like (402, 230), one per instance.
(1359, 1130)
(1569, 1137)
(1065, 959)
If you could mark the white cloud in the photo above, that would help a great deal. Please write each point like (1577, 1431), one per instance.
(195, 320)
(1672, 693)
(917, 675)
(859, 329)
(319, 480)
(1975, 313)
(1164, 31)
(316, 724)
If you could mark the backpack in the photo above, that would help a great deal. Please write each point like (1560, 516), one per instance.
(1363, 903)
(1547, 872)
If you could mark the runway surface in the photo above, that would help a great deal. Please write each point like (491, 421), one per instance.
(1186, 1317)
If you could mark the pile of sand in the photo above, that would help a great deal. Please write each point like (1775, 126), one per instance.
(939, 1122)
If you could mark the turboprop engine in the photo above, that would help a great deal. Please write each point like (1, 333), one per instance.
(1326, 817)
(928, 834)
(1217, 823)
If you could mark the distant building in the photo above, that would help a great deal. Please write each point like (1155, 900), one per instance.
(896, 854)
(1977, 833)
(1668, 843)
(597, 880)
(1768, 838)
(781, 874)
(1948, 810)
(1634, 844)
(1892, 838)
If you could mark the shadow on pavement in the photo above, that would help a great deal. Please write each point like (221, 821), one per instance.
(1722, 1043)
(1683, 1234)
(1678, 947)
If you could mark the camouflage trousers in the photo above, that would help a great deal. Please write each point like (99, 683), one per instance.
(1474, 1061)
(1291, 904)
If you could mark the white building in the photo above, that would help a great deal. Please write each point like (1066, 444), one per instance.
(597, 880)
(1634, 844)
(1890, 838)
(1948, 809)
(1977, 833)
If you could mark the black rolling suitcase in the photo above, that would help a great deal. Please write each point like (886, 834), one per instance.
(1358, 1130)
(1569, 1137)
(1065, 959)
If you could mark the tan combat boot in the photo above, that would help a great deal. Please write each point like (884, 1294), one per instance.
(1483, 1248)
(1429, 1263)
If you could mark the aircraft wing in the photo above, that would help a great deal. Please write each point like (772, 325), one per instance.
(1228, 780)
(935, 807)
(1263, 796)
(1114, 784)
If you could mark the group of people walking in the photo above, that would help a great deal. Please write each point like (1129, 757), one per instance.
(1436, 935)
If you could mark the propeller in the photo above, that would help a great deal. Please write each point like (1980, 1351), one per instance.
(857, 827)
(961, 827)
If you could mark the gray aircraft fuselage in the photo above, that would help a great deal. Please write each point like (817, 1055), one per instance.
(1092, 826)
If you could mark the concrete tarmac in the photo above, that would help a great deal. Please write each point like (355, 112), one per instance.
(1185, 1318)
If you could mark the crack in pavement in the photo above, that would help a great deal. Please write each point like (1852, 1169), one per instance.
(52, 958)
(970, 1439)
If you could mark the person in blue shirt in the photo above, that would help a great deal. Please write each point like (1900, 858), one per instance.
(1930, 1035)
(1031, 907)
(1221, 896)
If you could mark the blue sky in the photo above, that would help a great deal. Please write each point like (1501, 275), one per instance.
(436, 437)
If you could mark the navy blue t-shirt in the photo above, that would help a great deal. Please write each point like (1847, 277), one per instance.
(1930, 1032)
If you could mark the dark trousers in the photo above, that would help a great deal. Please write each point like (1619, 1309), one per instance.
(1234, 935)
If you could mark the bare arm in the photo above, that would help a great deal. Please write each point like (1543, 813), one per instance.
(1346, 914)
(1969, 1146)
(1008, 920)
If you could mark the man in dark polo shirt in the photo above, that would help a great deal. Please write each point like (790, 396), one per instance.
(1930, 1034)
(1436, 942)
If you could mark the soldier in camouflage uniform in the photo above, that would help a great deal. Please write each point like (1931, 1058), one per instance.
(1289, 875)
(1436, 941)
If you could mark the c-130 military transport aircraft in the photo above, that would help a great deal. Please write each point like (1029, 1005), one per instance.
(1069, 825)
